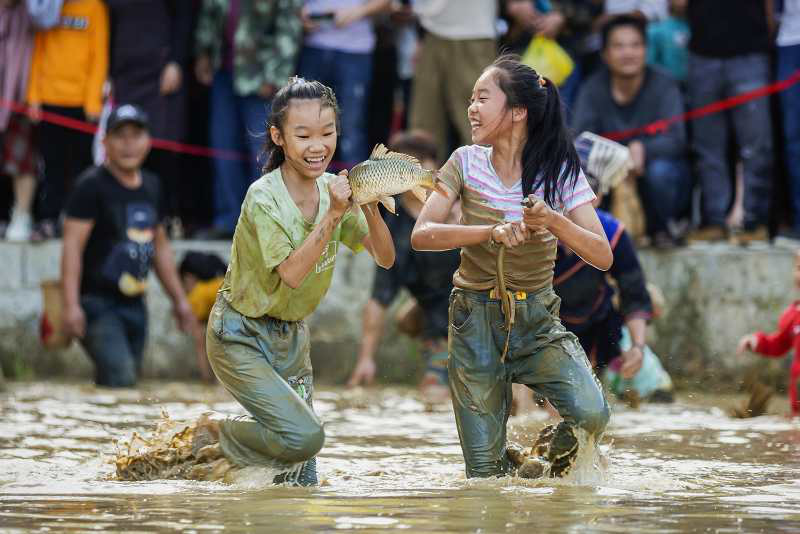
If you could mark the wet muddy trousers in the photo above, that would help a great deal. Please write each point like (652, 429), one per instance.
(542, 354)
(265, 364)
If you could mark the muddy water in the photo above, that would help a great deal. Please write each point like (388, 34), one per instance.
(389, 465)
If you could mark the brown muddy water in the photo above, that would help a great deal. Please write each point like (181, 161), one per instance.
(388, 465)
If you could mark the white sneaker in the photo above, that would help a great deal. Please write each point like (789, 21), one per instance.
(20, 227)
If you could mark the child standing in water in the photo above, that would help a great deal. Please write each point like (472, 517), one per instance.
(777, 344)
(522, 151)
(284, 249)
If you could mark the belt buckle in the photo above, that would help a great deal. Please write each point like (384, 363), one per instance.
(517, 295)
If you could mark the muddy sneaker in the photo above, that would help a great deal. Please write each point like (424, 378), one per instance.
(516, 453)
(563, 450)
(307, 476)
(542, 443)
(533, 467)
(209, 453)
(206, 432)
(210, 472)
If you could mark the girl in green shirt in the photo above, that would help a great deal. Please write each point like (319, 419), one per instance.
(292, 221)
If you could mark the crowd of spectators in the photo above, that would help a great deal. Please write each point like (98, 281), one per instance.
(204, 71)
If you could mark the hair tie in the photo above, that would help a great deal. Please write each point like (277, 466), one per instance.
(542, 81)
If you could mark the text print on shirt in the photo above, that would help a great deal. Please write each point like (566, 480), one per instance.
(328, 258)
(74, 23)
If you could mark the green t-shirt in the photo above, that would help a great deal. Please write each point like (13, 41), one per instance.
(270, 227)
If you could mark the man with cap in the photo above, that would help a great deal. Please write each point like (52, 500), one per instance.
(113, 234)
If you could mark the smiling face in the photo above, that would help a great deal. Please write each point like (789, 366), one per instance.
(488, 113)
(307, 137)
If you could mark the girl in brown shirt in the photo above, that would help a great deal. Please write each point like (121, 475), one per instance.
(522, 151)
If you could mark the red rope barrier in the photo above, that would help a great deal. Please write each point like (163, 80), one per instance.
(654, 128)
(661, 125)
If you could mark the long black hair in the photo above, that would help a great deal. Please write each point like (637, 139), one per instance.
(297, 88)
(549, 159)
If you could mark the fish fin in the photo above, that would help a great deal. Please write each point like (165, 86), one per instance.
(381, 152)
(420, 193)
(388, 203)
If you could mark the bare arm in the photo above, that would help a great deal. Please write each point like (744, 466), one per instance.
(580, 230)
(632, 358)
(294, 269)
(76, 234)
(431, 232)
(371, 332)
(164, 265)
(413, 207)
(379, 241)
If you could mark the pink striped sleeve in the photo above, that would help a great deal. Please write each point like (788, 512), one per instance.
(580, 195)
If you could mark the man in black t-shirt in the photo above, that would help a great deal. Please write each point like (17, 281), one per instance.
(113, 234)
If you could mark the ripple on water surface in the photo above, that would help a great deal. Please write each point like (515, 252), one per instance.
(388, 464)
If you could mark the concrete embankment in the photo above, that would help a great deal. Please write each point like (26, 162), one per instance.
(714, 294)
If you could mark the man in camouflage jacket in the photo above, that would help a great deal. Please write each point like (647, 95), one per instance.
(246, 49)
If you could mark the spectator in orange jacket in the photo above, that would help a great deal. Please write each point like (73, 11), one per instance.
(68, 70)
(778, 343)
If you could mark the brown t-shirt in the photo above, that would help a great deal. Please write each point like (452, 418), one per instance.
(486, 200)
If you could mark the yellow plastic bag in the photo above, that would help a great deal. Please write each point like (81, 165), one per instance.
(547, 58)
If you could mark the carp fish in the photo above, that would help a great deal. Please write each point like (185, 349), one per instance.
(386, 174)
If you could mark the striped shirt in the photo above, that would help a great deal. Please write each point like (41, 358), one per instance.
(486, 200)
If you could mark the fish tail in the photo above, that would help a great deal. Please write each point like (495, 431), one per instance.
(433, 183)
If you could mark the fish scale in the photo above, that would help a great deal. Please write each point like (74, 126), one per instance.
(386, 174)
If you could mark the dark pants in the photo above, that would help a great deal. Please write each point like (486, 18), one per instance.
(116, 329)
(600, 338)
(665, 189)
(788, 63)
(239, 124)
(66, 154)
(542, 354)
(349, 75)
(710, 80)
